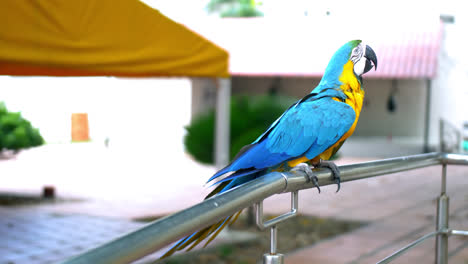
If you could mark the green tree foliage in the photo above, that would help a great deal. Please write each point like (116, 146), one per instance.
(250, 117)
(16, 132)
(234, 8)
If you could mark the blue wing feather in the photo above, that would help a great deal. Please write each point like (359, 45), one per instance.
(311, 128)
(306, 128)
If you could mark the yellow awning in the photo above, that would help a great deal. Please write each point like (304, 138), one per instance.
(101, 37)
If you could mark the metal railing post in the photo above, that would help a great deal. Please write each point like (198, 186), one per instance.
(273, 257)
(441, 256)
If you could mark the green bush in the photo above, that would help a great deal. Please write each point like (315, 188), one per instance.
(250, 117)
(234, 8)
(16, 132)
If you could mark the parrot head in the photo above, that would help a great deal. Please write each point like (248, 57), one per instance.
(353, 58)
(362, 56)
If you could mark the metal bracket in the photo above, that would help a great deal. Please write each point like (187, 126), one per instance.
(274, 257)
(272, 222)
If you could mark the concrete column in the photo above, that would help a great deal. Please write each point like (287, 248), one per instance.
(203, 95)
(222, 126)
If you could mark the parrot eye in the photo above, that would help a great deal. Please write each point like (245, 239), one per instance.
(356, 54)
(356, 58)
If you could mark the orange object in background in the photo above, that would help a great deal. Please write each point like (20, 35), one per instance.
(80, 128)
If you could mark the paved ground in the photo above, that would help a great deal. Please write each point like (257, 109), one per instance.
(120, 185)
(34, 235)
(30, 235)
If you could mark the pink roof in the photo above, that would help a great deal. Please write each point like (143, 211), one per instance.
(303, 47)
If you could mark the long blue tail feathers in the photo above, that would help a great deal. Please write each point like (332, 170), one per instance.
(212, 231)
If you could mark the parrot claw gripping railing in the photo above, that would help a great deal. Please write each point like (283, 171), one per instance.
(162, 232)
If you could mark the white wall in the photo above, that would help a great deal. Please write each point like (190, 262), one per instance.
(292, 86)
(450, 88)
(408, 118)
(132, 112)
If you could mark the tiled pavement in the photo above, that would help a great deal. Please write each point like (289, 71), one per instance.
(399, 208)
(30, 235)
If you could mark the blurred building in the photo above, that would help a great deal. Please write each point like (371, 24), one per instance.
(415, 86)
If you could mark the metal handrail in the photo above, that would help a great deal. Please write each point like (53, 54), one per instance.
(162, 232)
(400, 252)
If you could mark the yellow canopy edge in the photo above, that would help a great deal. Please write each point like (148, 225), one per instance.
(101, 37)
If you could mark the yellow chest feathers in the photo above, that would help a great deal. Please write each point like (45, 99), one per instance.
(352, 88)
(355, 95)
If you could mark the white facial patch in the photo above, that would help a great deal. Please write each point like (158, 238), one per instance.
(359, 66)
(359, 60)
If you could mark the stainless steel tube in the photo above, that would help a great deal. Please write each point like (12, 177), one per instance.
(442, 227)
(403, 250)
(160, 233)
(273, 239)
(364, 170)
(459, 232)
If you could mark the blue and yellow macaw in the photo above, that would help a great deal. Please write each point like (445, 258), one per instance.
(311, 130)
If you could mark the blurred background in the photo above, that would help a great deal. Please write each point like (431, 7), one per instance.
(105, 154)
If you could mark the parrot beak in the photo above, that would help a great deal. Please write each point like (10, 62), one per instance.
(371, 59)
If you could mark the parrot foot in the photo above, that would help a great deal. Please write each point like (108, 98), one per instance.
(304, 167)
(334, 169)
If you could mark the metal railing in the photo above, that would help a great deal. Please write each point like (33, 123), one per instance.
(162, 232)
